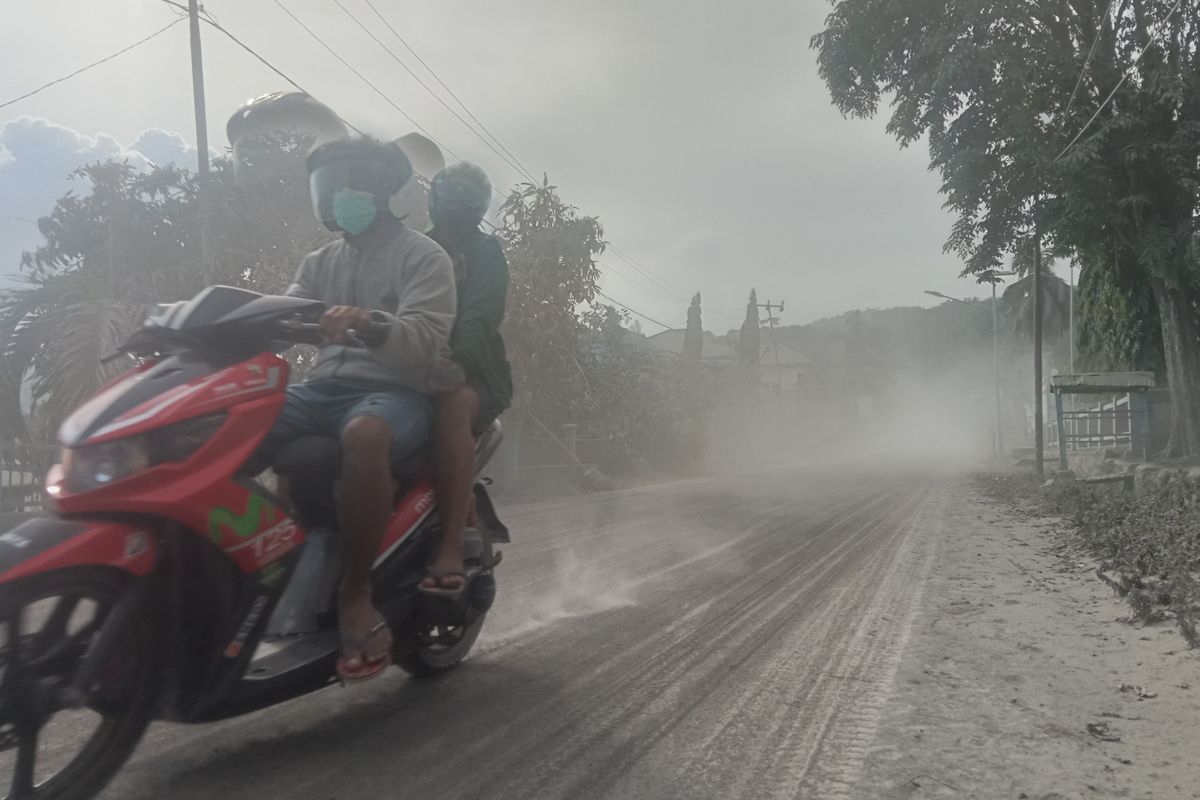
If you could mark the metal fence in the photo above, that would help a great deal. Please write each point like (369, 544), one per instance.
(1118, 422)
(23, 470)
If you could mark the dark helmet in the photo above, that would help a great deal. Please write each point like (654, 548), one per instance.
(360, 164)
(462, 190)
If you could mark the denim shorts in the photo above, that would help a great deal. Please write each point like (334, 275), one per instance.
(325, 407)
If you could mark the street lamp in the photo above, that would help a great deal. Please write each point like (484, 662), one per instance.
(993, 277)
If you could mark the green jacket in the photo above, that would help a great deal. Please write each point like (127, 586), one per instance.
(481, 272)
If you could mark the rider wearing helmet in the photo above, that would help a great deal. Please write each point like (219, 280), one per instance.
(376, 401)
(474, 380)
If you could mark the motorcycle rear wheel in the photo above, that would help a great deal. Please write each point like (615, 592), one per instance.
(440, 649)
(47, 623)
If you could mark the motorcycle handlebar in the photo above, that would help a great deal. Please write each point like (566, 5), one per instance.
(310, 333)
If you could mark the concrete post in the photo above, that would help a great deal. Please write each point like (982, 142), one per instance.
(1062, 434)
(1139, 424)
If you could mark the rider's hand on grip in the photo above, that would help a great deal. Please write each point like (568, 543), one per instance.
(339, 322)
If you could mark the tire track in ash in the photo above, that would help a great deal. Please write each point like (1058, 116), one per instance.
(769, 740)
(591, 573)
(764, 719)
(654, 691)
(629, 649)
(837, 761)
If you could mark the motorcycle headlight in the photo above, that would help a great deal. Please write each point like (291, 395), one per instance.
(97, 465)
(92, 466)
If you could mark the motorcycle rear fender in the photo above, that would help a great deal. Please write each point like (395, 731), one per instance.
(48, 543)
(488, 518)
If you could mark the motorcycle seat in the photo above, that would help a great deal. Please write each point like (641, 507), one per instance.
(312, 465)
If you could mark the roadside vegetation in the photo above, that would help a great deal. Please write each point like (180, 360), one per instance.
(1147, 544)
(128, 239)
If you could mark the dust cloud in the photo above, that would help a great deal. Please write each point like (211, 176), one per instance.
(945, 415)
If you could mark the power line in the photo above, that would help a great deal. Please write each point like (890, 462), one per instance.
(517, 165)
(621, 254)
(665, 284)
(364, 78)
(208, 18)
(81, 70)
(511, 160)
(519, 170)
(652, 290)
(1124, 77)
(507, 155)
(1087, 61)
(710, 309)
(635, 312)
(449, 91)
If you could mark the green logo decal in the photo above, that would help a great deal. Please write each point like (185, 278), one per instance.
(244, 524)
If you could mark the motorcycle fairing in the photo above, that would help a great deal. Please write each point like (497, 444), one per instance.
(44, 544)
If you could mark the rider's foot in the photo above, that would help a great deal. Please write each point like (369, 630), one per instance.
(444, 577)
(366, 639)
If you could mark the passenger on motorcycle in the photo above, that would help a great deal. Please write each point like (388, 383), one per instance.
(476, 381)
(375, 400)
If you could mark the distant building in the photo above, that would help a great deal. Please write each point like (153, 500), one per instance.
(713, 351)
(778, 361)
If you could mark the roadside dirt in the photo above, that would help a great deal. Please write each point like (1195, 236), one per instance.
(1023, 679)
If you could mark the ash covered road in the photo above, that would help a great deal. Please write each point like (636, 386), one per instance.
(729, 638)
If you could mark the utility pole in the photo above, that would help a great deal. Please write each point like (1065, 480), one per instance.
(201, 137)
(1038, 416)
(198, 92)
(770, 308)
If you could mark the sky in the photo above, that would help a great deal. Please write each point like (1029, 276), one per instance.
(698, 132)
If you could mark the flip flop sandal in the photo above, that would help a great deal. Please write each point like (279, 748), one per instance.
(440, 591)
(369, 668)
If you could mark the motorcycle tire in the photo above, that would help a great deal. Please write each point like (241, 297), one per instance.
(124, 712)
(430, 659)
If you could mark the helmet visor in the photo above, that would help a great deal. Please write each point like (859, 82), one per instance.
(456, 195)
(379, 178)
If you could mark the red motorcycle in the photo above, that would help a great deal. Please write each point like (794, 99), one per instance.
(170, 584)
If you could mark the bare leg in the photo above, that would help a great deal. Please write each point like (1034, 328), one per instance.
(453, 476)
(364, 503)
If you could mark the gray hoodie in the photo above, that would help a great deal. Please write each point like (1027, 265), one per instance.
(403, 278)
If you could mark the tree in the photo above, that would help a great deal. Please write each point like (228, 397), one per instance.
(1017, 306)
(650, 411)
(552, 251)
(108, 255)
(129, 242)
(693, 338)
(1118, 322)
(1001, 89)
(749, 340)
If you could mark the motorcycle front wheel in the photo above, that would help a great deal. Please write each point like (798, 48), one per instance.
(55, 743)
